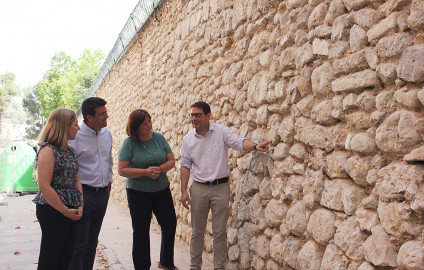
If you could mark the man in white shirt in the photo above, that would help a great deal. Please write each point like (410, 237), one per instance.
(93, 145)
(205, 152)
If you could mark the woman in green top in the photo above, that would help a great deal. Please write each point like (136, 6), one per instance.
(144, 158)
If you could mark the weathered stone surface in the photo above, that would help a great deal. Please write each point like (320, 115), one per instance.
(257, 89)
(397, 134)
(297, 219)
(304, 83)
(408, 98)
(316, 135)
(420, 96)
(366, 101)
(333, 259)
(393, 46)
(312, 186)
(336, 9)
(321, 79)
(275, 211)
(291, 4)
(352, 196)
(378, 249)
(398, 219)
(358, 38)
(281, 151)
(320, 46)
(290, 250)
(309, 256)
(411, 256)
(357, 167)
(298, 151)
(322, 113)
(415, 20)
(351, 63)
(321, 226)
(356, 4)
(332, 193)
(341, 27)
(356, 81)
(416, 154)
(367, 17)
(338, 49)
(350, 239)
(393, 5)
(384, 27)
(287, 130)
(366, 266)
(335, 165)
(366, 218)
(399, 181)
(411, 64)
(387, 73)
(372, 58)
(317, 15)
(304, 55)
(363, 144)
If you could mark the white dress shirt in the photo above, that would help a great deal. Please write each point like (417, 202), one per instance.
(207, 155)
(94, 153)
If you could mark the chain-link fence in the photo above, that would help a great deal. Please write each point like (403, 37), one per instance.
(141, 13)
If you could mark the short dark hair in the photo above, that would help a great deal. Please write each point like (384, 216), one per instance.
(202, 105)
(89, 106)
(136, 118)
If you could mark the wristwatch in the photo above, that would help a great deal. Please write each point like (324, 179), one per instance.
(254, 147)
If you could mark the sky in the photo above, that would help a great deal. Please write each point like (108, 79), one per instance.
(31, 32)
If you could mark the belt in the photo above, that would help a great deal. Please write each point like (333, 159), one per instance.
(215, 182)
(84, 186)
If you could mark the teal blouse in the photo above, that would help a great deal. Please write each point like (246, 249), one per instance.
(143, 155)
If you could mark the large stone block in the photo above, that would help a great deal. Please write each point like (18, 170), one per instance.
(393, 46)
(352, 63)
(321, 79)
(398, 219)
(384, 27)
(321, 226)
(297, 219)
(333, 259)
(399, 181)
(411, 64)
(411, 255)
(350, 239)
(397, 133)
(309, 256)
(415, 20)
(356, 81)
(379, 250)
(367, 17)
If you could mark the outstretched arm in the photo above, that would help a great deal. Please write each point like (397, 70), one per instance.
(250, 146)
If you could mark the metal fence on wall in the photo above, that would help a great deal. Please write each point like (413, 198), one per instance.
(141, 13)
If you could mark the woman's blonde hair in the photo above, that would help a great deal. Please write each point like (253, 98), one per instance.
(56, 130)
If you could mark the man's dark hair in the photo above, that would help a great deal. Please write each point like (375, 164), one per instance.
(89, 106)
(135, 120)
(202, 105)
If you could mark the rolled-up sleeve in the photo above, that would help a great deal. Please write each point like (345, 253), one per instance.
(185, 158)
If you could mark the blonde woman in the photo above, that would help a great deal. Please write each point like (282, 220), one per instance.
(59, 201)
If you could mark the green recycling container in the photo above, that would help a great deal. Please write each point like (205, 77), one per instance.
(16, 168)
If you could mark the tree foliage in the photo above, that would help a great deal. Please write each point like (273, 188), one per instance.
(68, 81)
(8, 90)
(64, 85)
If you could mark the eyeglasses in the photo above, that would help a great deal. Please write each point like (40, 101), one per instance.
(197, 115)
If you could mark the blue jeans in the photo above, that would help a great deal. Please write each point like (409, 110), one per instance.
(142, 205)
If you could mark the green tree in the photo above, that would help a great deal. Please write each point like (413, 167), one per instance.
(68, 81)
(34, 119)
(8, 90)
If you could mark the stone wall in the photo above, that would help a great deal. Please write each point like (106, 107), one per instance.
(337, 85)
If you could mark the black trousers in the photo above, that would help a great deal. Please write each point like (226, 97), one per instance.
(88, 228)
(142, 205)
(57, 239)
